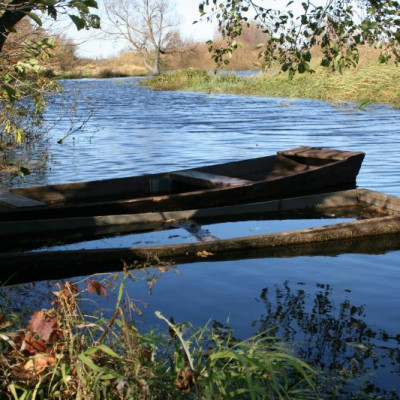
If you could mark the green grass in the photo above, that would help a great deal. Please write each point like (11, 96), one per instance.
(368, 83)
(64, 354)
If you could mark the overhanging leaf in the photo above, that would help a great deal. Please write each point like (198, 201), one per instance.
(35, 18)
(79, 22)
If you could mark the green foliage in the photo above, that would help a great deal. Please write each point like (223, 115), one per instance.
(63, 353)
(338, 28)
(78, 11)
(22, 90)
(23, 81)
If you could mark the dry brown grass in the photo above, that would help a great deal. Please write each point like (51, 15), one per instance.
(369, 82)
(127, 64)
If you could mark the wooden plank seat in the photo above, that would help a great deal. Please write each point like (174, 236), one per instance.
(206, 179)
(14, 201)
(312, 152)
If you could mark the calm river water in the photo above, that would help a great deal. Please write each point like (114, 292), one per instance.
(327, 305)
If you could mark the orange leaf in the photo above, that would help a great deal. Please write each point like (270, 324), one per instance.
(34, 367)
(43, 325)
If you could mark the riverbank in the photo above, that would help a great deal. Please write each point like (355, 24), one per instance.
(94, 71)
(125, 65)
(368, 83)
(136, 131)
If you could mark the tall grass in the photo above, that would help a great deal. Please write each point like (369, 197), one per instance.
(369, 82)
(64, 354)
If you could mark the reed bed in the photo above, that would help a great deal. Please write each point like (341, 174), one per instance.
(368, 83)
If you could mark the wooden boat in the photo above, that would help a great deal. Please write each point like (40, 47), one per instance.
(378, 231)
(302, 170)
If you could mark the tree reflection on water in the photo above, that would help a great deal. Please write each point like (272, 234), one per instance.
(357, 361)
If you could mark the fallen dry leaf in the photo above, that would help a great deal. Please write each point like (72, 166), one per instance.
(43, 325)
(204, 254)
(31, 345)
(3, 323)
(34, 367)
(184, 380)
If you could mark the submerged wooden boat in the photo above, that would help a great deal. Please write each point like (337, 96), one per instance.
(293, 172)
(378, 231)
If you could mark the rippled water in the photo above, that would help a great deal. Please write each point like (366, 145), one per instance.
(135, 131)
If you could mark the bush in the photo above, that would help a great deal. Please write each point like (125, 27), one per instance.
(108, 73)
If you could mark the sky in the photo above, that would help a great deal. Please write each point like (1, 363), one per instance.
(90, 44)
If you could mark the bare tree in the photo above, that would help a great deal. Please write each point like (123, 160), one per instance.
(147, 25)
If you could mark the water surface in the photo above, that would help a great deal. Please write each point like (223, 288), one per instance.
(134, 131)
(309, 300)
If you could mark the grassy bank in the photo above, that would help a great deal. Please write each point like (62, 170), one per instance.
(102, 74)
(94, 72)
(367, 83)
(127, 64)
(62, 353)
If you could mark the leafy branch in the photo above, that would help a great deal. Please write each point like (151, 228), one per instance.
(338, 28)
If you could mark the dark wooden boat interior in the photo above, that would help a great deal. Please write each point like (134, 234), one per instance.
(299, 171)
(220, 176)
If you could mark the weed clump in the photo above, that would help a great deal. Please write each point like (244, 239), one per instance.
(64, 354)
(108, 73)
(178, 80)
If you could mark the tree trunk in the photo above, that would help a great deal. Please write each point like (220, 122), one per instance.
(154, 69)
(157, 63)
(7, 21)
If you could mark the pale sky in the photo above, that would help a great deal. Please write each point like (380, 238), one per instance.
(91, 44)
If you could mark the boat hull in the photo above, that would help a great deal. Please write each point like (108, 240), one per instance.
(283, 176)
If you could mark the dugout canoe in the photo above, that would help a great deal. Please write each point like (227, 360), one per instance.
(302, 170)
